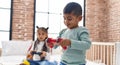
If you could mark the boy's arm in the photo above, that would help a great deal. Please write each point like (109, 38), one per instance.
(83, 43)
(60, 33)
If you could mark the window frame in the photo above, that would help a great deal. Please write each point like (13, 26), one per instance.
(11, 18)
(84, 4)
(10, 25)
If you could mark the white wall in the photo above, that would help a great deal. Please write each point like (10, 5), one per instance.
(0, 45)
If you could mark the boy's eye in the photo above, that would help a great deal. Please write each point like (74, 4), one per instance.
(69, 19)
(64, 18)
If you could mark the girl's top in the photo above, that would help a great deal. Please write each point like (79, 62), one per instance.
(38, 48)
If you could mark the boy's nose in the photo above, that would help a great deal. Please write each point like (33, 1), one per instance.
(66, 21)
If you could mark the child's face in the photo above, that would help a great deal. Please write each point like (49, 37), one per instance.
(71, 21)
(41, 35)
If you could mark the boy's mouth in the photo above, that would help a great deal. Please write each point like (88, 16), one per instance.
(68, 25)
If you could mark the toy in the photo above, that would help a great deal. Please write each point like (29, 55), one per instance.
(30, 56)
(51, 42)
(39, 53)
(25, 62)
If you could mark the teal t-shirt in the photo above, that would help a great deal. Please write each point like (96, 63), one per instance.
(80, 42)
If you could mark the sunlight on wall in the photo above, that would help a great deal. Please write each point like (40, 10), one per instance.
(49, 14)
(5, 6)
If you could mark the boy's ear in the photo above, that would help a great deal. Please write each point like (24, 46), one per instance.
(80, 18)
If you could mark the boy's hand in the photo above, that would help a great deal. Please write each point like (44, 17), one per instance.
(65, 42)
(50, 45)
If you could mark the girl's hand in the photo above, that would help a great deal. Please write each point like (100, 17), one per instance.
(43, 54)
(65, 42)
(29, 56)
(32, 52)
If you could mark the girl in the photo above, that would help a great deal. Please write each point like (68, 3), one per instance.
(39, 48)
(39, 52)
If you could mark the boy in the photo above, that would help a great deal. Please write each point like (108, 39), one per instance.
(75, 37)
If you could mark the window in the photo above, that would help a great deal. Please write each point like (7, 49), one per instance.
(5, 12)
(48, 13)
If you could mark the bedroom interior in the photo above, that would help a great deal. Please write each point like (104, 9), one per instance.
(18, 19)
